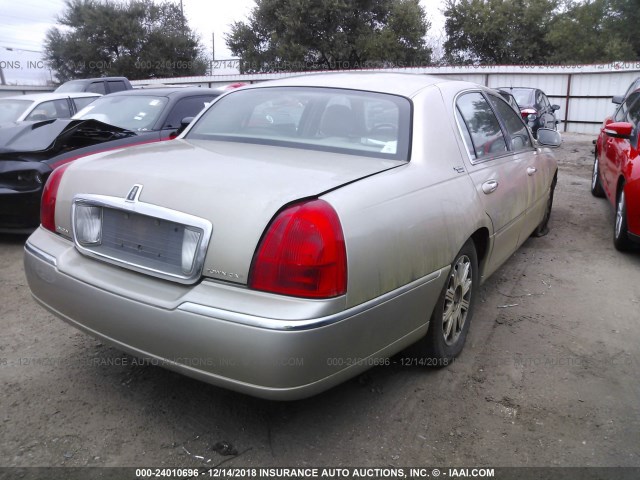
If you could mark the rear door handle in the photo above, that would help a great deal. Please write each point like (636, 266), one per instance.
(489, 186)
(531, 170)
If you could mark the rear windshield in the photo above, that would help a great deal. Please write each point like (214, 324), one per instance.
(325, 119)
(10, 110)
(72, 86)
(522, 95)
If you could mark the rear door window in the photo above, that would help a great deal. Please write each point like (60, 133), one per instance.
(483, 126)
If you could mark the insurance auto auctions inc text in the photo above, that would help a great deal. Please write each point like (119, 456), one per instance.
(288, 473)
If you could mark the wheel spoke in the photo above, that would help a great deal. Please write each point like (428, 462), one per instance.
(447, 320)
(466, 287)
(458, 325)
(463, 271)
(464, 305)
(619, 215)
(449, 295)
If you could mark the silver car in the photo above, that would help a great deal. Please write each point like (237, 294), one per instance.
(298, 232)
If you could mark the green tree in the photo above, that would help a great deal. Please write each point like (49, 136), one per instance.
(497, 31)
(591, 32)
(623, 20)
(139, 39)
(286, 35)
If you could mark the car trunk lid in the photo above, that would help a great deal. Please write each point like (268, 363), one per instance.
(237, 187)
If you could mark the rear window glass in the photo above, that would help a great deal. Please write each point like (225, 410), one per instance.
(97, 87)
(325, 119)
(116, 86)
(522, 95)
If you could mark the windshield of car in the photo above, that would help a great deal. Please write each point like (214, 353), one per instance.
(311, 118)
(10, 110)
(133, 112)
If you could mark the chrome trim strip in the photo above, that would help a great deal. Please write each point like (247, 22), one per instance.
(150, 210)
(309, 324)
(40, 254)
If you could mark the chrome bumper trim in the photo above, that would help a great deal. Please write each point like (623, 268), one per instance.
(300, 325)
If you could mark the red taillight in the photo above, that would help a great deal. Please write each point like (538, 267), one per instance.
(49, 195)
(525, 112)
(302, 253)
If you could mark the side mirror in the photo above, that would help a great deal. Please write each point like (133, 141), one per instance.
(617, 99)
(184, 123)
(549, 138)
(619, 130)
(555, 107)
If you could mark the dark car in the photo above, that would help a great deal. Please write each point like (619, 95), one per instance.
(535, 108)
(102, 85)
(511, 100)
(30, 151)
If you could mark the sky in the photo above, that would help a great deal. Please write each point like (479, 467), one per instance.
(24, 23)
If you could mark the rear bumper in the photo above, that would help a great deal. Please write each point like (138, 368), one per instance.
(212, 331)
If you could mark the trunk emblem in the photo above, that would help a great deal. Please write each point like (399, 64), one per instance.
(134, 193)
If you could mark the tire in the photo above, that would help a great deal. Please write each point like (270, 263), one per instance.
(596, 184)
(543, 228)
(453, 311)
(620, 237)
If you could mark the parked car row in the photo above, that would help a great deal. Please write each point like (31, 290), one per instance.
(297, 231)
(313, 227)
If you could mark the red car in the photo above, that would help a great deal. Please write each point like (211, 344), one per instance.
(616, 170)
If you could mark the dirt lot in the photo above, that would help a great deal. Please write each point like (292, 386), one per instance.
(549, 376)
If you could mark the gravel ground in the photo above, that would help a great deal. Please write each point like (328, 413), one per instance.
(548, 376)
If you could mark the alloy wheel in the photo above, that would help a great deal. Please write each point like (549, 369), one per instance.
(457, 299)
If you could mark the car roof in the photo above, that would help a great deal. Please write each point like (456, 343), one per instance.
(50, 96)
(87, 80)
(166, 92)
(508, 89)
(404, 84)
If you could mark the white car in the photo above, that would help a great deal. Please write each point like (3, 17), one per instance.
(43, 106)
